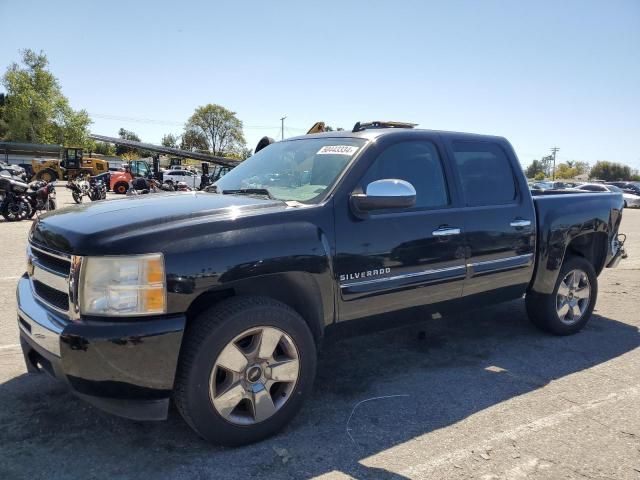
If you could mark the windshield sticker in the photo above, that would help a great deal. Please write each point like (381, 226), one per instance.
(338, 150)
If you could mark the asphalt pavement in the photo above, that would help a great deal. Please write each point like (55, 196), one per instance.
(482, 395)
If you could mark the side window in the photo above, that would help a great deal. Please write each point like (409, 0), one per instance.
(485, 173)
(418, 163)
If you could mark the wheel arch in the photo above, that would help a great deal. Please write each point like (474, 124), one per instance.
(591, 246)
(298, 290)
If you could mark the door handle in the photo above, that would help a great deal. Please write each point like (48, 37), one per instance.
(445, 232)
(520, 223)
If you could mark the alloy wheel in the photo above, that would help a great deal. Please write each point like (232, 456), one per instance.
(254, 375)
(572, 300)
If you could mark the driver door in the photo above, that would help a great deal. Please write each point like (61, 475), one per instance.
(396, 259)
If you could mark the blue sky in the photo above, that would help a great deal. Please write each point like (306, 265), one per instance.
(542, 73)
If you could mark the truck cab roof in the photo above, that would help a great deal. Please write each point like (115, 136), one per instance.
(375, 133)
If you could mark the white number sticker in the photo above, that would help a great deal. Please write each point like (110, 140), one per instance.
(338, 150)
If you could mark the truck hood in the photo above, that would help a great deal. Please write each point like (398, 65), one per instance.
(78, 229)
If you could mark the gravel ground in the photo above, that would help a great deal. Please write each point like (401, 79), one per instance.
(482, 395)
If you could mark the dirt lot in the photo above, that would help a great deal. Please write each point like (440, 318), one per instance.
(483, 395)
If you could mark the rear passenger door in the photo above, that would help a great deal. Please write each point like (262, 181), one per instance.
(499, 220)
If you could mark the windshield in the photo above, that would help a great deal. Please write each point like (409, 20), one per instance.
(613, 188)
(299, 170)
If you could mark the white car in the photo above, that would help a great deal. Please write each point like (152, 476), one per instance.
(631, 200)
(174, 176)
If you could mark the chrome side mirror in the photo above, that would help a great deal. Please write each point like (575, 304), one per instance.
(388, 193)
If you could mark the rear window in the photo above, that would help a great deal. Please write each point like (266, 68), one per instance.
(485, 173)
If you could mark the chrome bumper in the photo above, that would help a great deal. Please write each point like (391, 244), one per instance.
(40, 325)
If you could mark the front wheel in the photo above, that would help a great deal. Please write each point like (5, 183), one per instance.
(121, 188)
(77, 197)
(569, 307)
(246, 367)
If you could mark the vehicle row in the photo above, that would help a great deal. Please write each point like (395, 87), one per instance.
(630, 190)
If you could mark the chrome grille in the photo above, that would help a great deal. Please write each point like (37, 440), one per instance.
(49, 273)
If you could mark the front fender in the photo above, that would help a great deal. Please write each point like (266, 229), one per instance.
(288, 261)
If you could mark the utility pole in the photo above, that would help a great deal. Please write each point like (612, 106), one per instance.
(554, 150)
(282, 127)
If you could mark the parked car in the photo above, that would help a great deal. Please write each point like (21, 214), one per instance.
(631, 200)
(551, 185)
(631, 187)
(220, 300)
(174, 176)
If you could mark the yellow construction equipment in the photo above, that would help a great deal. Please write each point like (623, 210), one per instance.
(70, 164)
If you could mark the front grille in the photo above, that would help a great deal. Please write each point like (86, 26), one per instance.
(51, 296)
(50, 276)
(58, 263)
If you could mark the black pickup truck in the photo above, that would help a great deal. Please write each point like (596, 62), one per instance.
(219, 300)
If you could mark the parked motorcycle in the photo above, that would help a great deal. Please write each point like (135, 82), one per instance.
(41, 197)
(97, 189)
(79, 187)
(14, 206)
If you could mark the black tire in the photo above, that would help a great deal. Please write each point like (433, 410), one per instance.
(77, 197)
(47, 175)
(542, 309)
(205, 339)
(16, 211)
(51, 204)
(121, 188)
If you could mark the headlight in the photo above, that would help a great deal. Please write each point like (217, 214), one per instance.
(123, 286)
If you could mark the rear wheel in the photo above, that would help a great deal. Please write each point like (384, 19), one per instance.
(568, 308)
(47, 175)
(17, 210)
(121, 188)
(246, 367)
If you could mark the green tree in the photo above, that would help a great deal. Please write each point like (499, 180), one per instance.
(104, 148)
(127, 135)
(610, 171)
(220, 127)
(194, 140)
(35, 109)
(535, 168)
(566, 170)
(3, 123)
(539, 176)
(170, 140)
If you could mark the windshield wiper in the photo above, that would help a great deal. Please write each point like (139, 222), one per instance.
(249, 191)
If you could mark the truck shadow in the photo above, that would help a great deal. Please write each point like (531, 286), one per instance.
(431, 375)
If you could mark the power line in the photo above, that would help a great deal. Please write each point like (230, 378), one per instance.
(122, 118)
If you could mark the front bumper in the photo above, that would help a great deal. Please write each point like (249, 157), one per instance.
(125, 367)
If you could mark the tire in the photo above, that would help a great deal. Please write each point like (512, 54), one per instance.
(202, 371)
(51, 204)
(48, 175)
(544, 310)
(77, 197)
(121, 188)
(16, 211)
